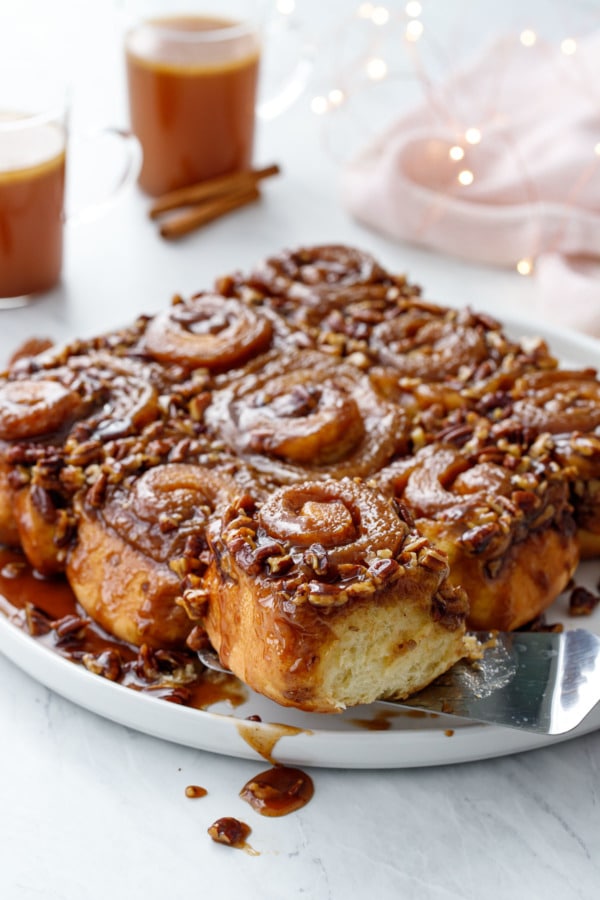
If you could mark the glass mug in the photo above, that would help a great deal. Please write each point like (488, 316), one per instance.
(33, 163)
(192, 84)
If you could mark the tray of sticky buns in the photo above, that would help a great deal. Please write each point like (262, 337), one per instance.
(309, 466)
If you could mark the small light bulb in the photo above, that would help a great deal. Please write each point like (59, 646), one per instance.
(597, 149)
(568, 46)
(380, 15)
(286, 7)
(365, 10)
(466, 177)
(456, 153)
(414, 30)
(472, 135)
(525, 266)
(376, 68)
(336, 96)
(319, 105)
(413, 9)
(528, 37)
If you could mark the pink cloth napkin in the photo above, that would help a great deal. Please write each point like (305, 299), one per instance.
(535, 188)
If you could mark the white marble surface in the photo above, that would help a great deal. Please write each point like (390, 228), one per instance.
(90, 809)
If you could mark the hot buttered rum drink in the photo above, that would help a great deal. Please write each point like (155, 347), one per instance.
(192, 88)
(32, 180)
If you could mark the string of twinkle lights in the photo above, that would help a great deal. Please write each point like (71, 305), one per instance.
(377, 43)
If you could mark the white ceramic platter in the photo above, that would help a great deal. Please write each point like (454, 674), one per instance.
(385, 739)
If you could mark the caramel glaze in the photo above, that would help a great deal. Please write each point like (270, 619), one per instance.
(278, 791)
(264, 737)
(46, 608)
(382, 720)
(195, 791)
(232, 833)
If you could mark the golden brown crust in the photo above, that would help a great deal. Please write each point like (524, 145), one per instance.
(141, 546)
(522, 583)
(9, 533)
(504, 524)
(127, 593)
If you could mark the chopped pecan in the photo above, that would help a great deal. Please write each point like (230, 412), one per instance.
(279, 565)
(384, 570)
(70, 628)
(319, 594)
(450, 607)
(97, 492)
(479, 538)
(582, 602)
(229, 831)
(316, 557)
(108, 664)
(84, 453)
(433, 559)
(38, 623)
(194, 601)
(267, 549)
(197, 639)
(146, 664)
(44, 503)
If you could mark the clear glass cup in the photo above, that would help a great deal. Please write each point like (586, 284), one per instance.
(192, 80)
(32, 187)
(34, 148)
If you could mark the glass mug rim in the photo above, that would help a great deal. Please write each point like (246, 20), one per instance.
(55, 114)
(233, 29)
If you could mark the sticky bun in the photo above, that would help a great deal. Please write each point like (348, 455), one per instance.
(504, 524)
(555, 415)
(141, 547)
(344, 600)
(311, 466)
(308, 414)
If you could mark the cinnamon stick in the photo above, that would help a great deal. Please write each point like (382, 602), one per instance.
(201, 214)
(235, 182)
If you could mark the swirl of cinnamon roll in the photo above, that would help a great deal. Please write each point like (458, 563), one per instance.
(319, 267)
(30, 408)
(208, 331)
(326, 542)
(113, 395)
(507, 529)
(433, 343)
(315, 416)
(63, 417)
(141, 545)
(329, 289)
(126, 394)
(557, 401)
(347, 520)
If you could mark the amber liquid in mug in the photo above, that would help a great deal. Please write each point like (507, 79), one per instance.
(191, 107)
(32, 183)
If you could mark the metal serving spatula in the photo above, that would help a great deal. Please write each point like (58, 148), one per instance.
(542, 682)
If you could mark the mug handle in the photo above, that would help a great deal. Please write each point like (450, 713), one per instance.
(291, 84)
(127, 168)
